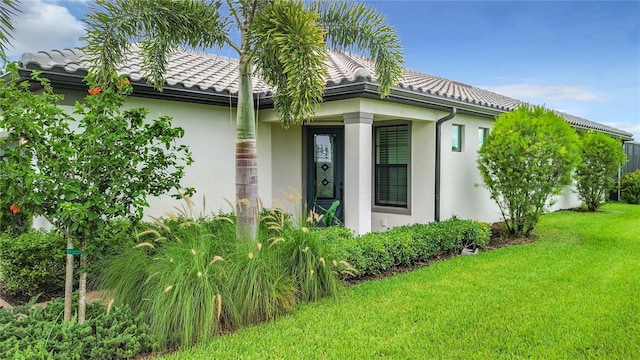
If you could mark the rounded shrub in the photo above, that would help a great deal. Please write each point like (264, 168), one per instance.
(32, 263)
(601, 158)
(525, 160)
(630, 187)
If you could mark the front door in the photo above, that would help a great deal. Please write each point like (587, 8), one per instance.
(325, 168)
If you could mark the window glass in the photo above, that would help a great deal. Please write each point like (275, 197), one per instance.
(391, 165)
(456, 137)
(482, 134)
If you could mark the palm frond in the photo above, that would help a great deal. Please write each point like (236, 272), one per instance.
(8, 9)
(159, 25)
(354, 25)
(289, 52)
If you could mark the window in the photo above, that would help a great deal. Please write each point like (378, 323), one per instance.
(391, 165)
(456, 137)
(482, 134)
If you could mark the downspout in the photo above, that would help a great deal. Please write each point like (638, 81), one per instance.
(439, 123)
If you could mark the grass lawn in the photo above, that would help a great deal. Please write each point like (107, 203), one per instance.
(573, 294)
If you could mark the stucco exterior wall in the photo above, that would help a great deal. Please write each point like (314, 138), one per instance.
(210, 133)
(462, 193)
(286, 152)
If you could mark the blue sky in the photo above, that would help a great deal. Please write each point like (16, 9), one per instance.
(580, 57)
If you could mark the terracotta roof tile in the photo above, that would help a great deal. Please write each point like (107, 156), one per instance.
(219, 74)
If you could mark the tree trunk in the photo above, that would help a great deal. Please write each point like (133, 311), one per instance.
(82, 286)
(246, 159)
(68, 281)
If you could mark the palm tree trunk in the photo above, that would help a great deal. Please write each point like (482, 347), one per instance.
(246, 159)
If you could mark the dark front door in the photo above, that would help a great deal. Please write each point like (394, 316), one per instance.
(325, 168)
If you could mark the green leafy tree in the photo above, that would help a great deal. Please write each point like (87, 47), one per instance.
(527, 158)
(602, 157)
(80, 179)
(285, 41)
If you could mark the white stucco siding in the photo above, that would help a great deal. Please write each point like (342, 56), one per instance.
(286, 152)
(567, 200)
(462, 193)
(210, 133)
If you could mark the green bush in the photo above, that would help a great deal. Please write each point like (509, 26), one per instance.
(193, 279)
(373, 253)
(602, 157)
(259, 286)
(34, 262)
(33, 332)
(630, 187)
(525, 160)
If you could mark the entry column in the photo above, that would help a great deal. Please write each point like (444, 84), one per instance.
(357, 171)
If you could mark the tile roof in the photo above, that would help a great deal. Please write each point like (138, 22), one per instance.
(190, 69)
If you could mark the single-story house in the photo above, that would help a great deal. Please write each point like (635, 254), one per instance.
(409, 158)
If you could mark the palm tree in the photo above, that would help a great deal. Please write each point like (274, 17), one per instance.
(285, 41)
(8, 8)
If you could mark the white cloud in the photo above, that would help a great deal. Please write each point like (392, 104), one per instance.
(44, 26)
(632, 127)
(546, 93)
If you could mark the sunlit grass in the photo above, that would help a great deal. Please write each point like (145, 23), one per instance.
(575, 293)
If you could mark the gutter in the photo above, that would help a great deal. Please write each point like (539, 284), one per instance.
(452, 114)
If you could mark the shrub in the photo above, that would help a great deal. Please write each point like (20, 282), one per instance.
(373, 253)
(630, 187)
(602, 157)
(34, 332)
(526, 159)
(32, 263)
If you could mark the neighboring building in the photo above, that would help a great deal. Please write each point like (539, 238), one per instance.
(378, 156)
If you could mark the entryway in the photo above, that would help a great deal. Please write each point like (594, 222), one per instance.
(324, 165)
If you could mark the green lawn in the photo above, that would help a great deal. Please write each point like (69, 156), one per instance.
(573, 294)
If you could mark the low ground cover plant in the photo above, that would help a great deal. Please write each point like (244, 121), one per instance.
(35, 332)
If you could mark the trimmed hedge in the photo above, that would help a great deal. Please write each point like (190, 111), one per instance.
(34, 262)
(373, 253)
